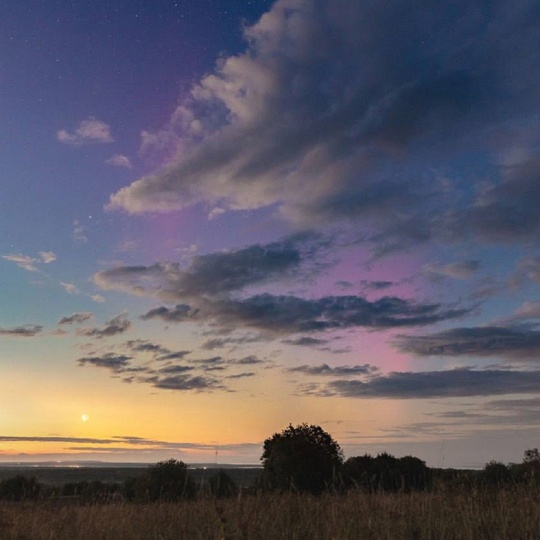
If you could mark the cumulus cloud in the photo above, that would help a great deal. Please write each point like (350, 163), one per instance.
(481, 341)
(119, 160)
(28, 330)
(437, 384)
(89, 131)
(343, 123)
(77, 318)
(117, 325)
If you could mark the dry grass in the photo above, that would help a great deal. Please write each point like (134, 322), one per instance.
(507, 514)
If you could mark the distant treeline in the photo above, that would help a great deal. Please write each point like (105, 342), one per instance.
(300, 459)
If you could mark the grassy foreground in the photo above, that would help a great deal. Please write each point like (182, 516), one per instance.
(507, 513)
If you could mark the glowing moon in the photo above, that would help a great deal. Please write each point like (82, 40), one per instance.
(85, 417)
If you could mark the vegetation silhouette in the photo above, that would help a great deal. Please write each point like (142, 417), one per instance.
(302, 458)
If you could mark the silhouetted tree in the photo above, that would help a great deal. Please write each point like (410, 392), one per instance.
(164, 481)
(19, 488)
(495, 473)
(386, 472)
(301, 458)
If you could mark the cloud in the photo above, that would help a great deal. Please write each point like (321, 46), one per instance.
(290, 314)
(119, 160)
(215, 273)
(70, 288)
(180, 313)
(77, 318)
(89, 131)
(185, 382)
(376, 285)
(23, 261)
(342, 123)
(457, 270)
(29, 263)
(140, 345)
(480, 341)
(97, 298)
(437, 384)
(28, 330)
(78, 234)
(326, 370)
(177, 355)
(117, 325)
(114, 362)
(306, 341)
(47, 256)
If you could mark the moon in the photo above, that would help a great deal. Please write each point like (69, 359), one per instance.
(85, 418)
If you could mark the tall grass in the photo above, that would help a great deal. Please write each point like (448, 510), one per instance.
(508, 513)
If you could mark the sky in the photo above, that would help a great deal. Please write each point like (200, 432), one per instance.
(222, 218)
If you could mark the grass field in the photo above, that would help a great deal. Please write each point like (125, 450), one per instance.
(510, 513)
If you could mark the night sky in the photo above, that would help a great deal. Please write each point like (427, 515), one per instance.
(219, 218)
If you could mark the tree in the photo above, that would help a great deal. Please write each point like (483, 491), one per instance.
(164, 481)
(301, 458)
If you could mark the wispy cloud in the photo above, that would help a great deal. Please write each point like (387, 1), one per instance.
(30, 263)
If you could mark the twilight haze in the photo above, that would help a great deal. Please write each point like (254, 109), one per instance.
(222, 217)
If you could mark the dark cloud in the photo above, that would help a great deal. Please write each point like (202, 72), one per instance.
(509, 210)
(177, 355)
(247, 361)
(114, 362)
(481, 341)
(140, 345)
(376, 285)
(325, 369)
(438, 384)
(290, 314)
(180, 313)
(306, 341)
(117, 325)
(245, 375)
(175, 369)
(214, 273)
(217, 343)
(78, 318)
(185, 382)
(343, 122)
(28, 330)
